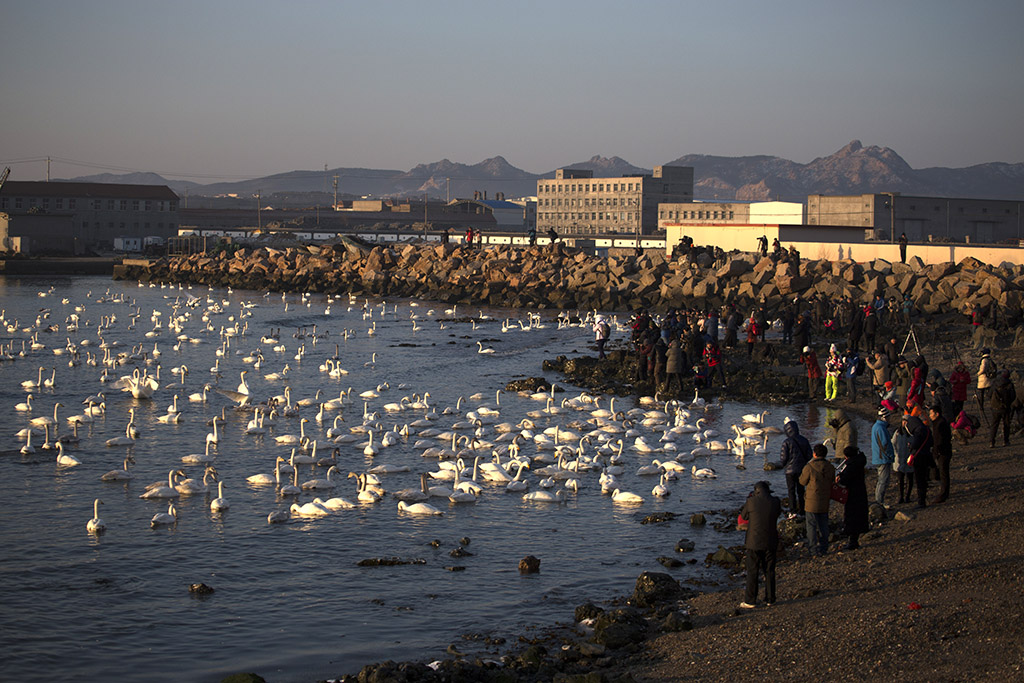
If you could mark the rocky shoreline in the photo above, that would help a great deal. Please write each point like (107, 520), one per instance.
(562, 278)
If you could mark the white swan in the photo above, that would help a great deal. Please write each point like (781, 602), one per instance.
(220, 502)
(619, 496)
(661, 490)
(418, 508)
(96, 525)
(187, 487)
(66, 460)
(243, 386)
(119, 475)
(369, 449)
(321, 484)
(703, 473)
(160, 491)
(262, 479)
(292, 439)
(756, 419)
(481, 349)
(25, 407)
(545, 496)
(165, 518)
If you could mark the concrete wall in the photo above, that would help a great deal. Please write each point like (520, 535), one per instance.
(836, 243)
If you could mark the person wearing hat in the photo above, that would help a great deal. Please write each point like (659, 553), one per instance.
(817, 478)
(810, 361)
(888, 399)
(855, 509)
(602, 331)
(882, 454)
(878, 363)
(987, 371)
(942, 449)
(762, 511)
(834, 367)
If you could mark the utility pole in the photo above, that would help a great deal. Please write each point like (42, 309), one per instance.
(259, 216)
(335, 192)
(424, 216)
(447, 190)
(47, 169)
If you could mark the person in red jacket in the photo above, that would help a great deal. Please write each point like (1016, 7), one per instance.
(959, 379)
(810, 360)
(713, 359)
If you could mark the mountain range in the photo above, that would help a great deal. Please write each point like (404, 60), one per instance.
(854, 169)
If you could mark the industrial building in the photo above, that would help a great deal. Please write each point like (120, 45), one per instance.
(574, 202)
(923, 219)
(98, 213)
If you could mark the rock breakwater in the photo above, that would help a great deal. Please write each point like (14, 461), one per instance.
(561, 278)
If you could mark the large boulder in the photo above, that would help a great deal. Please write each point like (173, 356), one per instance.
(620, 627)
(653, 588)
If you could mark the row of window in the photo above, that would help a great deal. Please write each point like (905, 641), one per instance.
(697, 215)
(124, 226)
(590, 216)
(71, 204)
(584, 202)
(589, 187)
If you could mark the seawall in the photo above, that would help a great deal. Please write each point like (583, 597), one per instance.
(562, 278)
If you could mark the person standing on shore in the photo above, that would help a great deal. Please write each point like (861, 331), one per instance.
(942, 449)
(796, 453)
(1003, 396)
(833, 369)
(855, 510)
(882, 455)
(817, 478)
(903, 247)
(845, 431)
(904, 471)
(762, 511)
(959, 379)
(675, 361)
(920, 457)
(602, 332)
(810, 361)
(987, 372)
(852, 362)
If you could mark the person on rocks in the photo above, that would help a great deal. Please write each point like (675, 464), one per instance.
(602, 332)
(852, 366)
(810, 361)
(469, 237)
(802, 333)
(788, 323)
(834, 367)
(762, 246)
(920, 457)
(892, 354)
(855, 510)
(987, 371)
(446, 235)
(660, 361)
(732, 326)
(977, 317)
(753, 333)
(903, 247)
(845, 431)
(959, 380)
(904, 470)
(1003, 397)
(532, 235)
(882, 454)
(908, 310)
(856, 328)
(817, 478)
(761, 318)
(870, 328)
(796, 453)
(761, 510)
(942, 450)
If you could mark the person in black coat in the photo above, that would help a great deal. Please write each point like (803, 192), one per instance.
(855, 511)
(942, 449)
(1003, 397)
(796, 452)
(856, 328)
(920, 457)
(762, 511)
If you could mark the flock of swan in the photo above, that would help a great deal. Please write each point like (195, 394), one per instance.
(293, 410)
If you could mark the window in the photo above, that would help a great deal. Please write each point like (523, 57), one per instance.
(3, 203)
(110, 205)
(17, 202)
(149, 205)
(71, 203)
(124, 205)
(58, 203)
(97, 205)
(46, 203)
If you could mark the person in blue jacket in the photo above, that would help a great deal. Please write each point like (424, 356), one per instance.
(882, 454)
(796, 452)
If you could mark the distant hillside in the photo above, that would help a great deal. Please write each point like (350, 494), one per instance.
(854, 169)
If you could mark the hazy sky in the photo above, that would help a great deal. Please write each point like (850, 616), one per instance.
(210, 89)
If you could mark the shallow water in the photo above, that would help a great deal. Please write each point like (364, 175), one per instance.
(290, 602)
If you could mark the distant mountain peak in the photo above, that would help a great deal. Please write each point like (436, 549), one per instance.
(851, 148)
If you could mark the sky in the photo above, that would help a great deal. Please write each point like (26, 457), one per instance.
(214, 90)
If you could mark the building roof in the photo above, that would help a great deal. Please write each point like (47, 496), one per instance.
(25, 188)
(499, 204)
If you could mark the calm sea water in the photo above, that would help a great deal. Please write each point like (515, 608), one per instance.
(290, 601)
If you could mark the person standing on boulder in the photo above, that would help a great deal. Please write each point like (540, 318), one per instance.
(903, 247)
(762, 511)
(817, 477)
(796, 453)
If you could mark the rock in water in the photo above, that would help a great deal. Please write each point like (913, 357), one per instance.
(529, 565)
(654, 587)
(200, 589)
